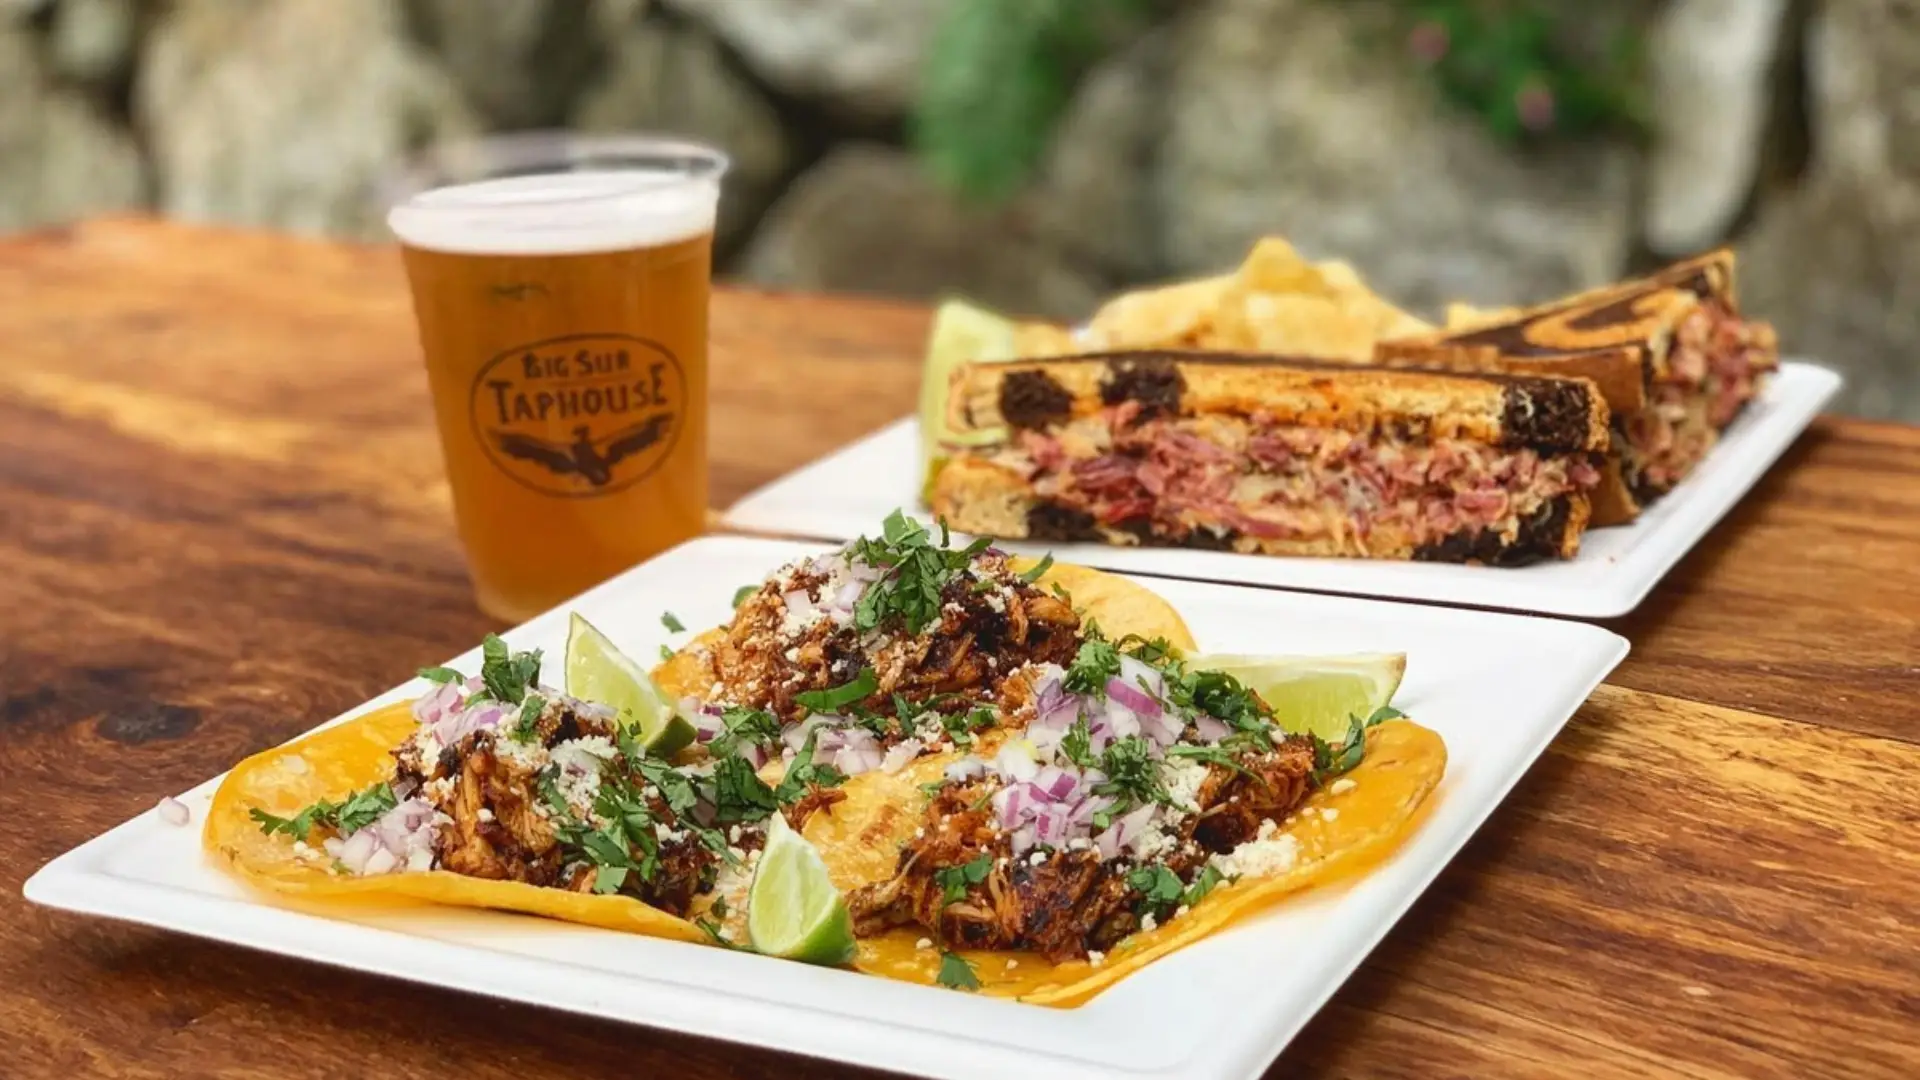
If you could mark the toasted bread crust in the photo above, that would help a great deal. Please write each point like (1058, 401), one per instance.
(1599, 334)
(985, 499)
(1549, 413)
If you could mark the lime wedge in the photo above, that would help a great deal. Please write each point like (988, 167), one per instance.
(793, 910)
(961, 332)
(598, 672)
(1315, 694)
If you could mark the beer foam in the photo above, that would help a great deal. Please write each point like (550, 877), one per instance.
(573, 213)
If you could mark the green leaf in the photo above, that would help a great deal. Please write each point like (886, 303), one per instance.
(955, 880)
(441, 675)
(608, 879)
(672, 622)
(738, 794)
(1158, 885)
(675, 789)
(832, 700)
(740, 594)
(1038, 570)
(1207, 880)
(955, 973)
(507, 676)
(1093, 665)
(525, 726)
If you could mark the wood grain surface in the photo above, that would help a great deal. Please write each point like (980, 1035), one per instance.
(222, 520)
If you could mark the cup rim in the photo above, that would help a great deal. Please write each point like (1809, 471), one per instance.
(535, 153)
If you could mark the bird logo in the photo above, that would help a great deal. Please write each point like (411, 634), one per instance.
(591, 459)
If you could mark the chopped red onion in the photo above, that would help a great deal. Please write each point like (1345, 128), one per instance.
(1050, 824)
(1122, 833)
(1135, 699)
(437, 704)
(1055, 783)
(1022, 839)
(1139, 673)
(173, 811)
(798, 602)
(1210, 729)
(846, 596)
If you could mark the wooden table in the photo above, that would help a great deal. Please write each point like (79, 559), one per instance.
(222, 520)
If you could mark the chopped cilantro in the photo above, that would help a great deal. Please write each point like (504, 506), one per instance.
(739, 794)
(915, 571)
(1157, 651)
(804, 772)
(1095, 663)
(608, 879)
(955, 880)
(740, 594)
(1204, 883)
(547, 784)
(712, 930)
(507, 676)
(1037, 570)
(526, 726)
(360, 809)
(672, 622)
(1383, 714)
(1133, 776)
(1077, 744)
(1335, 759)
(1216, 755)
(666, 652)
(441, 675)
(931, 789)
(956, 973)
(831, 700)
(754, 727)
(719, 907)
(961, 726)
(675, 789)
(1158, 886)
(1061, 593)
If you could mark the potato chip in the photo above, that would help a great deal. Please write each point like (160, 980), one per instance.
(1157, 318)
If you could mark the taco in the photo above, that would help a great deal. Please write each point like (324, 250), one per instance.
(1009, 759)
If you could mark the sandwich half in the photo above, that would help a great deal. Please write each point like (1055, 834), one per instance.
(1275, 456)
(1671, 352)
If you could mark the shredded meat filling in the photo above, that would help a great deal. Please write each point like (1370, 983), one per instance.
(1716, 365)
(1255, 477)
(797, 634)
(1070, 902)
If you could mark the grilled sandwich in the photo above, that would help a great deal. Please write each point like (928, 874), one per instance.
(1671, 352)
(1276, 456)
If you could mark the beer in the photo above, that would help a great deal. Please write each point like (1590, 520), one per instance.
(563, 317)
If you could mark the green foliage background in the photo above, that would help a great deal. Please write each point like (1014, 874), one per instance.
(1001, 73)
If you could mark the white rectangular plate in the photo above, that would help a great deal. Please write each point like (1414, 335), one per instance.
(1496, 687)
(849, 492)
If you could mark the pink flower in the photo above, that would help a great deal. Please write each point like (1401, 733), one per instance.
(1534, 103)
(1428, 42)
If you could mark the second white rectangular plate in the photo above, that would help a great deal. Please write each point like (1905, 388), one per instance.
(1496, 687)
(848, 493)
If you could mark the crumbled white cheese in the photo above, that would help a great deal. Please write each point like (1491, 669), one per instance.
(666, 835)
(1269, 852)
(995, 601)
(1036, 858)
(1096, 957)
(1011, 964)
(923, 943)
(1079, 843)
(440, 790)
(530, 756)
(1328, 813)
(793, 655)
(1147, 922)
(733, 834)
(597, 745)
(1182, 778)
(1153, 841)
(1181, 910)
(484, 814)
(301, 849)
(1342, 785)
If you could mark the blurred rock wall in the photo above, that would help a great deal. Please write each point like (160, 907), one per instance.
(1787, 126)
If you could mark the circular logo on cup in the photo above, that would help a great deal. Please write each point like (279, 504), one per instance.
(579, 416)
